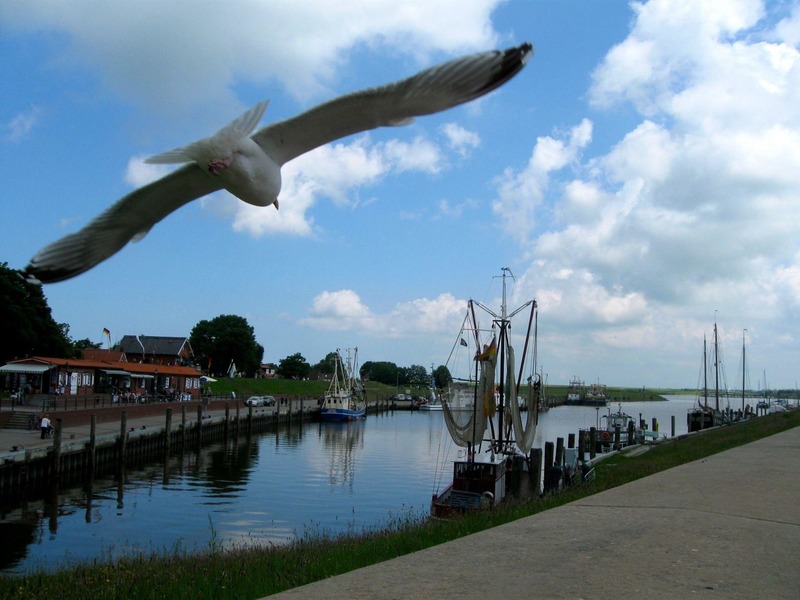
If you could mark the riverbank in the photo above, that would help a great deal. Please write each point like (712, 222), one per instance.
(255, 572)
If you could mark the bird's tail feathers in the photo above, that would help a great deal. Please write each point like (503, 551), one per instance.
(235, 130)
(245, 124)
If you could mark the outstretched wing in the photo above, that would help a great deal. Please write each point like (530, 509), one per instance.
(130, 217)
(432, 90)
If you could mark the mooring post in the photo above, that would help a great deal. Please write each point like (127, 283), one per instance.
(123, 437)
(168, 433)
(549, 455)
(199, 438)
(655, 425)
(581, 444)
(672, 418)
(571, 440)
(92, 446)
(536, 470)
(183, 427)
(57, 453)
(559, 457)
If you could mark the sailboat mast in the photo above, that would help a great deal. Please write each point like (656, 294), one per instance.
(716, 369)
(743, 369)
(705, 372)
(503, 341)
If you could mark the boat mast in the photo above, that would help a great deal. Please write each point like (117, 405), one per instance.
(743, 367)
(716, 368)
(705, 372)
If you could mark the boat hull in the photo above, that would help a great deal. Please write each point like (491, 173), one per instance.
(342, 414)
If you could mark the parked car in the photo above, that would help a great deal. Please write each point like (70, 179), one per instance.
(260, 401)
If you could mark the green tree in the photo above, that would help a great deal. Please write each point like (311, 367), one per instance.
(326, 365)
(381, 372)
(417, 375)
(442, 377)
(78, 346)
(27, 327)
(293, 367)
(224, 339)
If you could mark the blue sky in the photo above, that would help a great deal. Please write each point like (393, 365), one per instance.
(639, 177)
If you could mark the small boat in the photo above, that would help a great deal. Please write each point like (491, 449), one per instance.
(431, 403)
(483, 415)
(343, 400)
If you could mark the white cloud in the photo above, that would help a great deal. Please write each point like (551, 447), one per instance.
(169, 55)
(335, 171)
(460, 139)
(695, 210)
(139, 173)
(521, 193)
(20, 126)
(343, 310)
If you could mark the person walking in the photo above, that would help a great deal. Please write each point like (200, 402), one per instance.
(44, 425)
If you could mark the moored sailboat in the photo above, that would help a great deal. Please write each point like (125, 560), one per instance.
(703, 415)
(343, 400)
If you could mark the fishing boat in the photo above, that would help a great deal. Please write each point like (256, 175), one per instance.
(344, 399)
(483, 415)
(575, 392)
(703, 415)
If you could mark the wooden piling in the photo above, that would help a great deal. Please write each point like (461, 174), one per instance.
(571, 440)
(167, 433)
(592, 442)
(56, 472)
(183, 428)
(617, 437)
(199, 428)
(123, 437)
(536, 469)
(559, 456)
(672, 419)
(93, 446)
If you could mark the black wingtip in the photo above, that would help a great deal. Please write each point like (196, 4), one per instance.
(512, 62)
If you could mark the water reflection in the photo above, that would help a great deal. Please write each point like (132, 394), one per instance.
(267, 488)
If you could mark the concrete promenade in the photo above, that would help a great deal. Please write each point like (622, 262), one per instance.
(727, 526)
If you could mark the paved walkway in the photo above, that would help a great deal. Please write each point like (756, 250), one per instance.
(727, 526)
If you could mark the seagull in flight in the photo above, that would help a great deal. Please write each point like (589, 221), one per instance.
(248, 164)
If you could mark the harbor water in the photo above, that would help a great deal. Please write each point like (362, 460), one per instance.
(307, 480)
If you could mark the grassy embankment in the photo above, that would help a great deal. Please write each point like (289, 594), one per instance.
(314, 389)
(256, 572)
